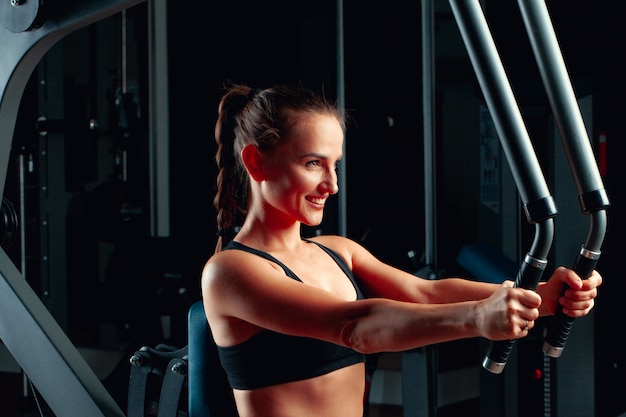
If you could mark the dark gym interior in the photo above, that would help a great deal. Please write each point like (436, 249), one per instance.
(111, 224)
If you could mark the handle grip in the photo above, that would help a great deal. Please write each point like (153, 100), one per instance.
(528, 277)
(561, 324)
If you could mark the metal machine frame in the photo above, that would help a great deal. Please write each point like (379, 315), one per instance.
(28, 330)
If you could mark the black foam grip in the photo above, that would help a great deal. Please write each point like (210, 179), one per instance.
(528, 277)
(561, 324)
(498, 352)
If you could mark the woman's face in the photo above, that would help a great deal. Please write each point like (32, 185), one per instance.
(301, 173)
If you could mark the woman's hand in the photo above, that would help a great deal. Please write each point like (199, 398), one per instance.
(509, 313)
(579, 295)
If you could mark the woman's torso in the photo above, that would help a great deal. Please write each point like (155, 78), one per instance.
(335, 393)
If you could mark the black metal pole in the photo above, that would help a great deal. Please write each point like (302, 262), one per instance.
(592, 196)
(428, 105)
(529, 179)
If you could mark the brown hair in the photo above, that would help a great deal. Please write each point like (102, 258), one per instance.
(260, 117)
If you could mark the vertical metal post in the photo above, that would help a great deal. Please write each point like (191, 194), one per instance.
(419, 366)
(159, 120)
(428, 109)
(341, 100)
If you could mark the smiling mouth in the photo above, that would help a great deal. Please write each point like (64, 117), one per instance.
(319, 200)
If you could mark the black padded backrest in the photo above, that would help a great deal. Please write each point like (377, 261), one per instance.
(209, 392)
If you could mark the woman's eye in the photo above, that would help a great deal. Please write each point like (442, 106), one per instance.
(313, 163)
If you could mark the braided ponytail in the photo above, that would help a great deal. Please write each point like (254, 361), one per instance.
(232, 183)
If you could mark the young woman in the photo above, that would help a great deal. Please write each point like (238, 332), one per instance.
(293, 317)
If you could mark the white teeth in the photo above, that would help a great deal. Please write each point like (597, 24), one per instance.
(316, 200)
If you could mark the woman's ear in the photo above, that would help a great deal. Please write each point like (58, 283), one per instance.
(253, 160)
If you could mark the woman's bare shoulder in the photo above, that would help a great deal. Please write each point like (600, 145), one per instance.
(335, 241)
(341, 244)
(228, 263)
(236, 275)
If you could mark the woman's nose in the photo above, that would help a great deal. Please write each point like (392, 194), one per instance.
(331, 183)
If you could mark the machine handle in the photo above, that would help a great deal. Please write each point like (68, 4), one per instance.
(560, 326)
(528, 277)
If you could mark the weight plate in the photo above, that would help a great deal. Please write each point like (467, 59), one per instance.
(20, 15)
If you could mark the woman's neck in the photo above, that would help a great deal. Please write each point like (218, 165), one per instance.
(268, 236)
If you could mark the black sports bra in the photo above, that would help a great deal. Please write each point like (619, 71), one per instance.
(270, 358)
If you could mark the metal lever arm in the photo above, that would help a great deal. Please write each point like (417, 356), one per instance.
(591, 193)
(529, 179)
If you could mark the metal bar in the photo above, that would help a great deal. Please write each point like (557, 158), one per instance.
(342, 222)
(159, 118)
(44, 352)
(428, 100)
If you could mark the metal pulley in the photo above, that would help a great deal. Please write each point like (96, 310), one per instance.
(21, 15)
(9, 224)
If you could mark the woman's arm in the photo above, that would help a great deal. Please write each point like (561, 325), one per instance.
(383, 280)
(244, 294)
(378, 279)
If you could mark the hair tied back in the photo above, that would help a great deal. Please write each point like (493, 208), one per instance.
(253, 93)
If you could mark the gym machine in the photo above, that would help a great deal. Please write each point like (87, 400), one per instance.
(538, 203)
(28, 29)
(592, 196)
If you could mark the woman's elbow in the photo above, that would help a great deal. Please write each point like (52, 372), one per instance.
(354, 339)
